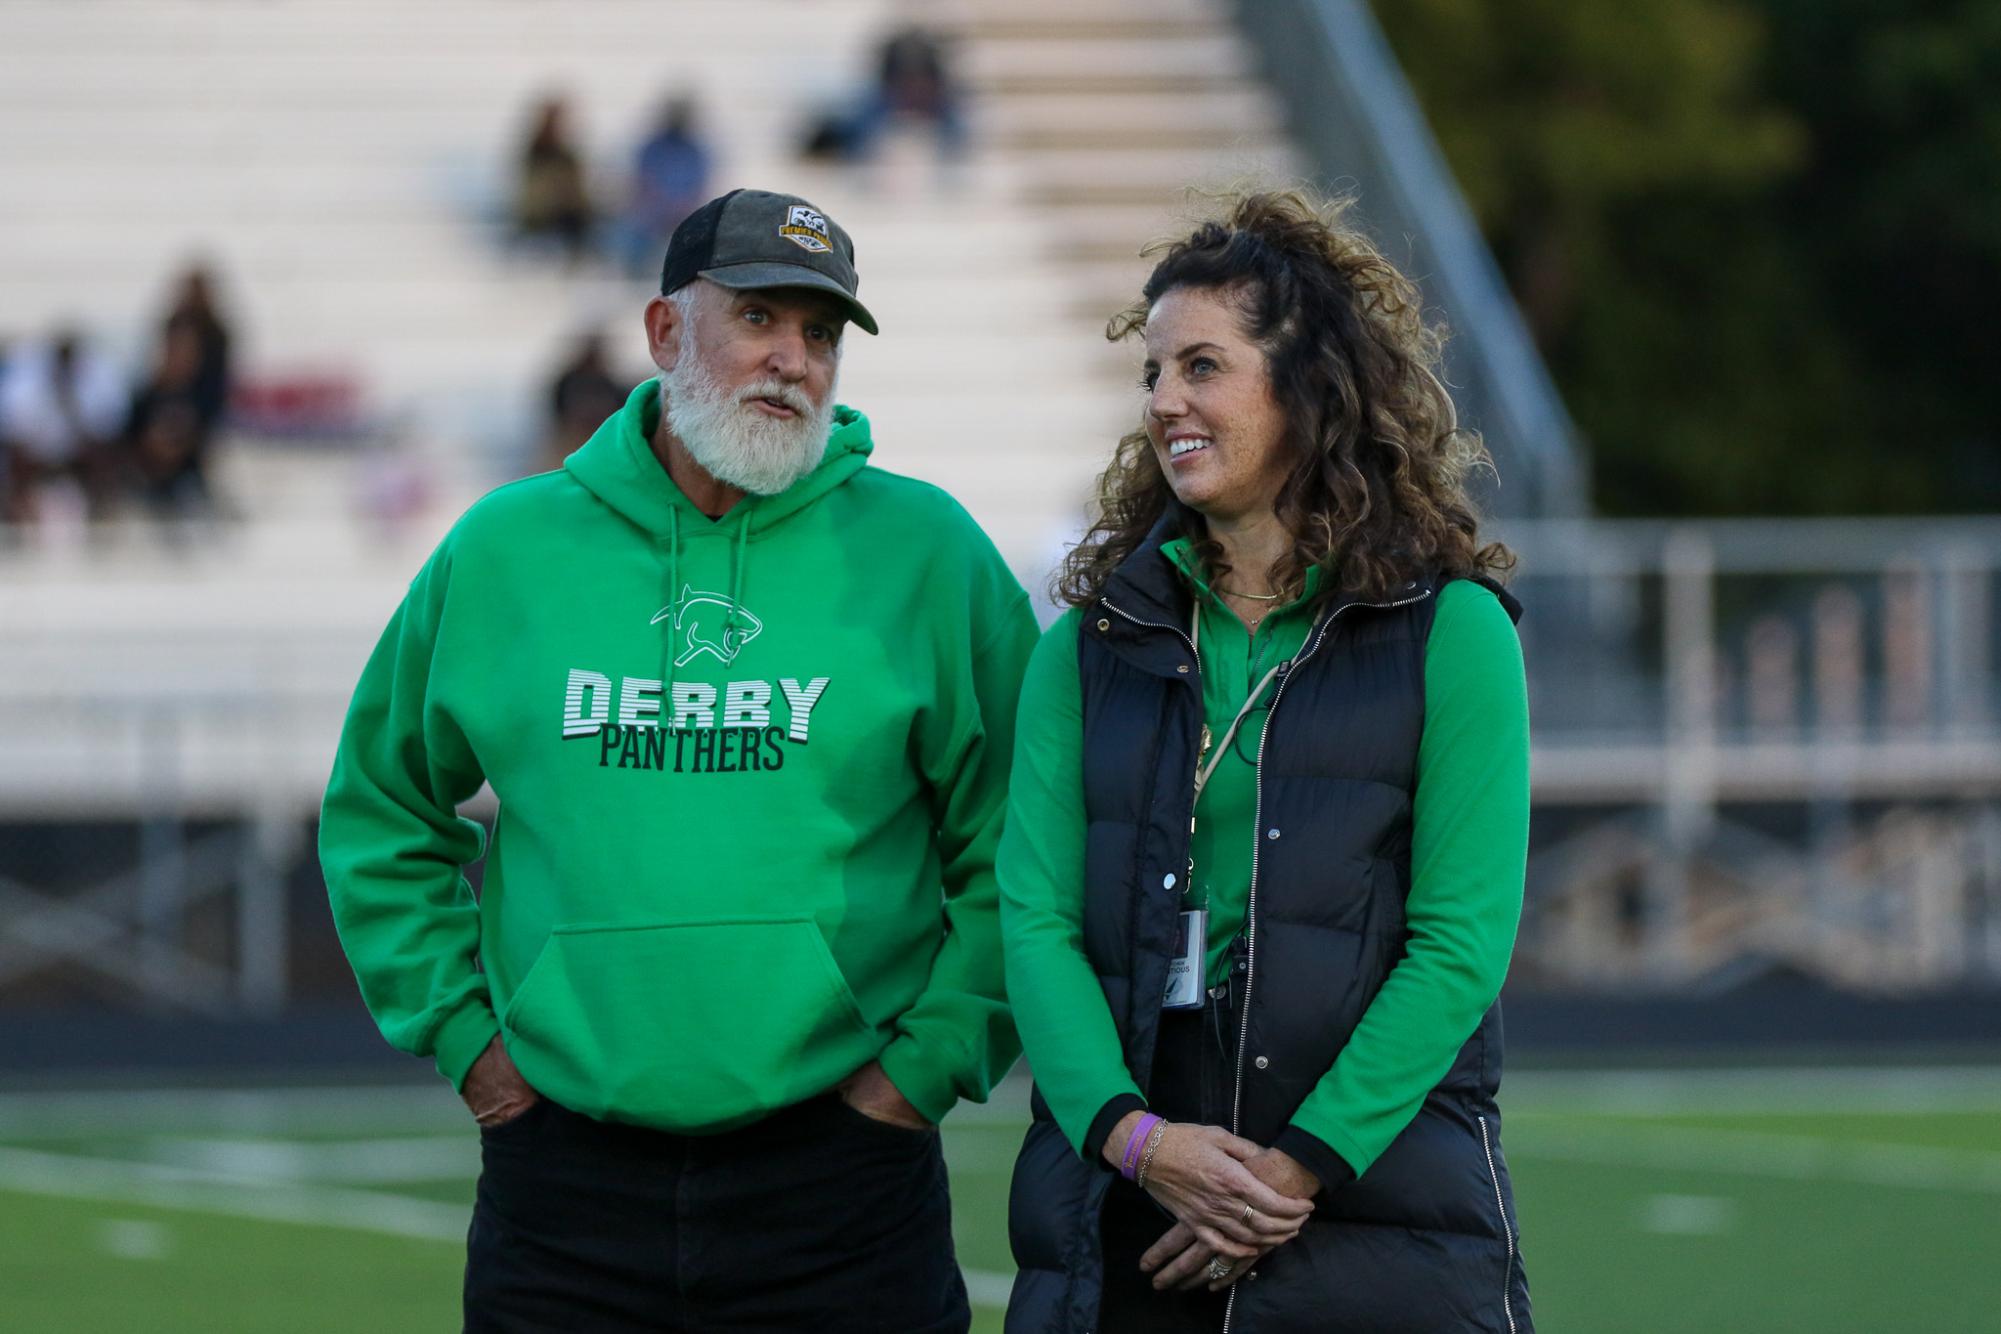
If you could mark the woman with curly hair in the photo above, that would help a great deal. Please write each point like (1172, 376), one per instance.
(1269, 818)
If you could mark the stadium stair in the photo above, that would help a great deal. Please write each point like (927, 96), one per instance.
(345, 167)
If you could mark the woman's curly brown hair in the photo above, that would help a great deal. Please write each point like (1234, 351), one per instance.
(1377, 496)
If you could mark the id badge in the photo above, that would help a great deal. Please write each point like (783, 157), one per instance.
(1184, 970)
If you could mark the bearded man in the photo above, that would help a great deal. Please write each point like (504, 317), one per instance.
(747, 705)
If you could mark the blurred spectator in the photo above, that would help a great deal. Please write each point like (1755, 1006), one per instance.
(670, 179)
(7, 514)
(585, 392)
(913, 83)
(168, 432)
(61, 408)
(194, 310)
(551, 200)
(311, 404)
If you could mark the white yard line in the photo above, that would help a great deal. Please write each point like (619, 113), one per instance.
(171, 1187)
(1753, 1153)
(1886, 1089)
(288, 1111)
(1688, 1215)
(364, 1162)
(988, 1289)
(247, 1195)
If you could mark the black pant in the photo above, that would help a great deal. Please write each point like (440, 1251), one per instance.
(816, 1218)
(1193, 1080)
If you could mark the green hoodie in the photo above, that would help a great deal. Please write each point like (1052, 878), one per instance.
(751, 774)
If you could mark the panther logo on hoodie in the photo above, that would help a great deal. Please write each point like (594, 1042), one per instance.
(708, 623)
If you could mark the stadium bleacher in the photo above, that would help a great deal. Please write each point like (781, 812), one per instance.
(346, 168)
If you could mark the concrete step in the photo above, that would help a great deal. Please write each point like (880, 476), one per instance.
(1116, 80)
(1142, 137)
(401, 346)
(1239, 108)
(428, 135)
(611, 32)
(1080, 194)
(211, 201)
(1141, 178)
(975, 17)
(1212, 55)
(1058, 27)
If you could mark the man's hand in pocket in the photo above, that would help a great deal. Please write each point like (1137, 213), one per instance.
(495, 1090)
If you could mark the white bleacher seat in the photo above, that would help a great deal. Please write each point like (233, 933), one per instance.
(344, 163)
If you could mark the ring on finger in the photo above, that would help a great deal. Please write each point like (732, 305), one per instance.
(1249, 1212)
(1219, 1268)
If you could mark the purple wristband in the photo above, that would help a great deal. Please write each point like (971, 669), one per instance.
(1136, 1144)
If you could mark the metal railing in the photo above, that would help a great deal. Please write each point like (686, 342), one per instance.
(1354, 115)
(1764, 744)
(1762, 636)
(1758, 744)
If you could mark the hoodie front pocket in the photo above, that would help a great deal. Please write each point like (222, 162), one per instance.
(685, 1026)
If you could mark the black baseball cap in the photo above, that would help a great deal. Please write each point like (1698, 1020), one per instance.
(753, 238)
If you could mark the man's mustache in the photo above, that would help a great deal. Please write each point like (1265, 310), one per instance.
(778, 392)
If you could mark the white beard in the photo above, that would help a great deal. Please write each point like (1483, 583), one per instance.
(736, 443)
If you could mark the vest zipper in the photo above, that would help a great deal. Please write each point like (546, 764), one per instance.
(1507, 1229)
(1251, 908)
(1174, 630)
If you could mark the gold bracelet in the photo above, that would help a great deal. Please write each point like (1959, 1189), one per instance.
(1146, 1159)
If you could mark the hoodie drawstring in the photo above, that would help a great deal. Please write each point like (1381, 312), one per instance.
(736, 566)
(667, 640)
(734, 622)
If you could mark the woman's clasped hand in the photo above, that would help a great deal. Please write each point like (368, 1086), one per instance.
(1227, 1217)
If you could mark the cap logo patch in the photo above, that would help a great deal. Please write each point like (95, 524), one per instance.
(807, 230)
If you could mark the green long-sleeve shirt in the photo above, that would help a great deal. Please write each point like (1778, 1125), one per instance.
(1469, 850)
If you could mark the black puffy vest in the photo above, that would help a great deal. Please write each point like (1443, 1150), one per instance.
(1425, 1240)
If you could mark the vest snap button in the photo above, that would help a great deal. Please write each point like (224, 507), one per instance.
(1183, 669)
(1271, 833)
(1262, 1062)
(1167, 881)
(1104, 625)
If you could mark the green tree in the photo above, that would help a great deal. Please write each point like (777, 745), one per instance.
(1756, 239)
(1899, 215)
(1555, 113)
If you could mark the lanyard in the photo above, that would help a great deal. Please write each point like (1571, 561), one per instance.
(1196, 923)
(1221, 747)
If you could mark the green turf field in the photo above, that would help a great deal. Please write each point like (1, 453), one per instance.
(1685, 1201)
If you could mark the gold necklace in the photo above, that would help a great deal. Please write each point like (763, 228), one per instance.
(1255, 597)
